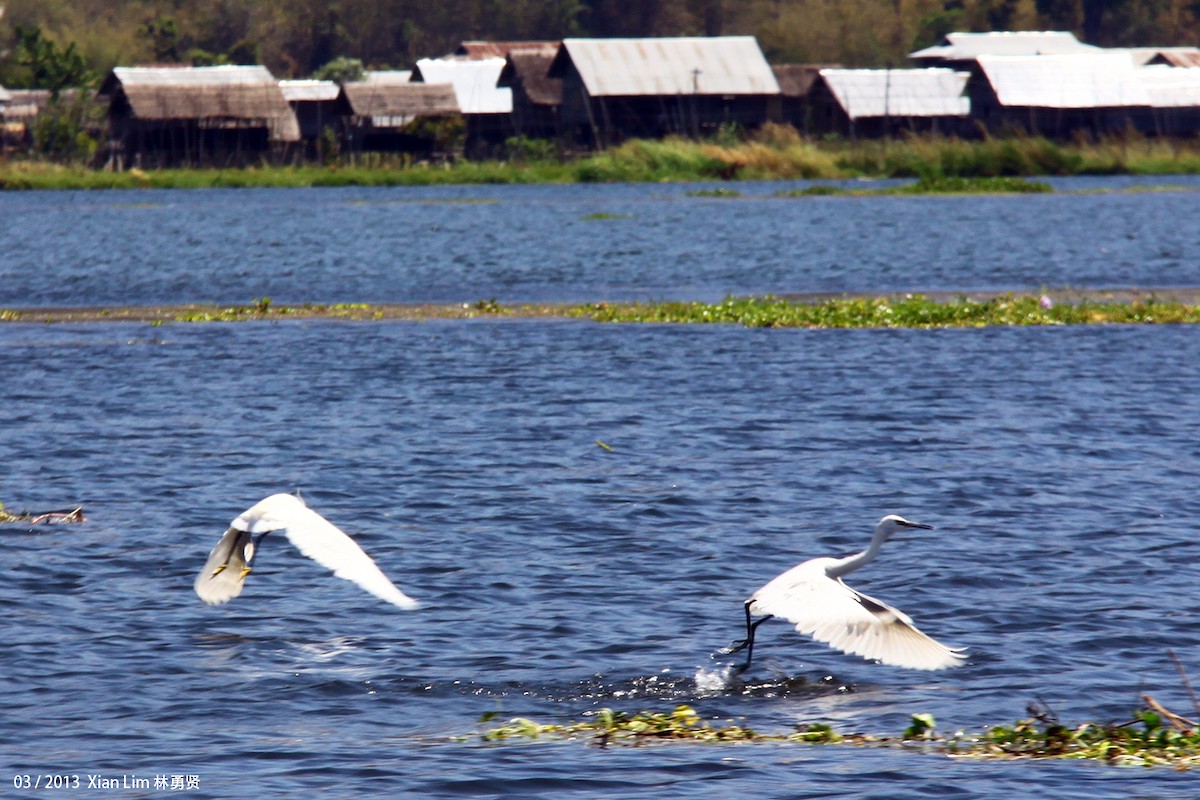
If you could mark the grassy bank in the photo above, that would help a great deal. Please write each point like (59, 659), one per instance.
(1062, 307)
(774, 154)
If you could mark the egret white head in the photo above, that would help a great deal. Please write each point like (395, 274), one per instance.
(894, 523)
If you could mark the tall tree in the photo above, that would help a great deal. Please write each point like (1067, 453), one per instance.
(49, 66)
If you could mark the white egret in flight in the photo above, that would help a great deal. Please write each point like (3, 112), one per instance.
(813, 597)
(224, 574)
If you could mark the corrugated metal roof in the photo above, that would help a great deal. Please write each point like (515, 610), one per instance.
(309, 91)
(1170, 87)
(963, 46)
(719, 65)
(4, 95)
(1171, 56)
(474, 83)
(864, 93)
(388, 76)
(1094, 80)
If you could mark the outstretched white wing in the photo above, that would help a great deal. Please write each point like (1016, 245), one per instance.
(833, 613)
(312, 534)
(317, 538)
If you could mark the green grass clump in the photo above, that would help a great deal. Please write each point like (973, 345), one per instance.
(910, 311)
(914, 156)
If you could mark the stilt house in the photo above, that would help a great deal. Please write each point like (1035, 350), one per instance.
(173, 116)
(614, 89)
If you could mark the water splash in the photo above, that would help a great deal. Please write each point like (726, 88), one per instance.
(716, 681)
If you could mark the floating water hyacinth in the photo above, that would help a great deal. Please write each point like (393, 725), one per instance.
(1144, 741)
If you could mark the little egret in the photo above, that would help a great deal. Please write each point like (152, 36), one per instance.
(224, 574)
(813, 597)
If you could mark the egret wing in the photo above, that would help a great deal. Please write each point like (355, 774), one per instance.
(320, 540)
(833, 613)
(223, 576)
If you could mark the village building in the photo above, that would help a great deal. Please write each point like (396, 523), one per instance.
(617, 89)
(879, 102)
(387, 114)
(480, 50)
(960, 50)
(486, 107)
(1186, 57)
(319, 108)
(796, 82)
(1174, 101)
(536, 97)
(1058, 96)
(19, 109)
(197, 116)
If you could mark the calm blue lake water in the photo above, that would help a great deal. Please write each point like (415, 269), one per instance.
(544, 243)
(1058, 466)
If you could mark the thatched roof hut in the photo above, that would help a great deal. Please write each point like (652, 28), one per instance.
(382, 115)
(393, 105)
(224, 96)
(536, 96)
(526, 72)
(480, 50)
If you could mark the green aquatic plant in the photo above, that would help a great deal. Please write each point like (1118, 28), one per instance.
(1000, 184)
(922, 726)
(819, 190)
(602, 215)
(730, 193)
(1146, 740)
(908, 311)
(489, 306)
(617, 727)
(930, 185)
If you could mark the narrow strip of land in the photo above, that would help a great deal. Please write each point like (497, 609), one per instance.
(829, 310)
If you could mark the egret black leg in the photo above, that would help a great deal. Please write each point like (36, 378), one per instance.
(747, 644)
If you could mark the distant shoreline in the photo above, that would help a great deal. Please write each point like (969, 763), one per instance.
(776, 154)
(1180, 300)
